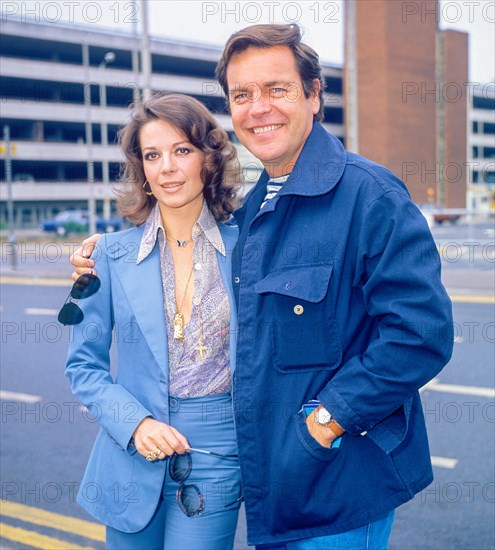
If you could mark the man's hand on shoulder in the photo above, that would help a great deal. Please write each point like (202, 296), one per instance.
(81, 258)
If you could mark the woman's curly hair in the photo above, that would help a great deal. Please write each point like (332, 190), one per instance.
(220, 174)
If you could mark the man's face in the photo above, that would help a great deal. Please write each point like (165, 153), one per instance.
(271, 116)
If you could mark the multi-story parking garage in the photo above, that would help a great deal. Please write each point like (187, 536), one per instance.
(45, 77)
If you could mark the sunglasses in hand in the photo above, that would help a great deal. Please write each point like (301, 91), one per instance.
(85, 286)
(188, 496)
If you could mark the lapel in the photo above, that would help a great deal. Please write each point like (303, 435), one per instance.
(244, 216)
(229, 235)
(142, 286)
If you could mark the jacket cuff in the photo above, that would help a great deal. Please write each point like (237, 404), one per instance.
(342, 412)
(125, 435)
(131, 446)
(388, 434)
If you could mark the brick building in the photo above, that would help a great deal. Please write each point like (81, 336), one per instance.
(407, 96)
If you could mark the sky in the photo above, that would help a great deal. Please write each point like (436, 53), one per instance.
(212, 22)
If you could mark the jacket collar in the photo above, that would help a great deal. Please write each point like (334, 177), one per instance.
(319, 166)
(317, 171)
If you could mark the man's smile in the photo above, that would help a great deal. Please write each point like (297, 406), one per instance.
(264, 129)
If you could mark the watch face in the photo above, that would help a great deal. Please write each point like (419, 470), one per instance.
(324, 416)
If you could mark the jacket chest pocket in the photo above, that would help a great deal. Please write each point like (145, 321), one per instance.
(302, 318)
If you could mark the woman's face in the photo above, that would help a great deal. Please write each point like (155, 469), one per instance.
(172, 166)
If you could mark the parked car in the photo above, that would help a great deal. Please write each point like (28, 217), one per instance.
(23, 178)
(439, 214)
(77, 221)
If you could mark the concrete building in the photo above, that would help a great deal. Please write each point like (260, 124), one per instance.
(481, 149)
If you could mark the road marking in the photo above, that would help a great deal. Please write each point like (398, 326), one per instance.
(38, 516)
(40, 311)
(43, 281)
(442, 462)
(15, 396)
(434, 385)
(472, 299)
(36, 540)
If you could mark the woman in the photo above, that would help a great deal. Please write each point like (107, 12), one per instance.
(165, 291)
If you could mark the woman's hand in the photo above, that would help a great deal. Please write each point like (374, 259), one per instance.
(152, 436)
(81, 257)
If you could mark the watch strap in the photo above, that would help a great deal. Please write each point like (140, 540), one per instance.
(332, 423)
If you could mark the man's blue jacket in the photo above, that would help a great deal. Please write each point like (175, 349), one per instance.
(339, 298)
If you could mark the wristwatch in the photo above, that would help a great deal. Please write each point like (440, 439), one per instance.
(325, 418)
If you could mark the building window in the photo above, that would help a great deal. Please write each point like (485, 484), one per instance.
(475, 152)
(475, 127)
(26, 216)
(485, 103)
(476, 176)
(489, 128)
(489, 152)
(490, 177)
(334, 115)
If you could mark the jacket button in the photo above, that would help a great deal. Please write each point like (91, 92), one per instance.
(237, 280)
(287, 285)
(298, 309)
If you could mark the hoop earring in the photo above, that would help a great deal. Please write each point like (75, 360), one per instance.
(149, 193)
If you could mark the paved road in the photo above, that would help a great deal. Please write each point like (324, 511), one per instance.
(462, 247)
(46, 437)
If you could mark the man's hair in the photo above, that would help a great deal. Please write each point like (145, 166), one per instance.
(266, 36)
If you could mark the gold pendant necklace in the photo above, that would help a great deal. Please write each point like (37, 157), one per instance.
(179, 322)
(178, 317)
(200, 346)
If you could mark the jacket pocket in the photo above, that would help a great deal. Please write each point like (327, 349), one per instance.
(109, 479)
(302, 318)
(309, 442)
(301, 481)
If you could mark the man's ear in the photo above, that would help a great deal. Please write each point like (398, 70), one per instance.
(315, 96)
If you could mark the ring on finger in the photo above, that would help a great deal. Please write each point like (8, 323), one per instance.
(152, 455)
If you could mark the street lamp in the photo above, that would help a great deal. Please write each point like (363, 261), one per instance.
(145, 52)
(109, 58)
(89, 139)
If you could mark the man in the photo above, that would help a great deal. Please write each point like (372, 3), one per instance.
(342, 315)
